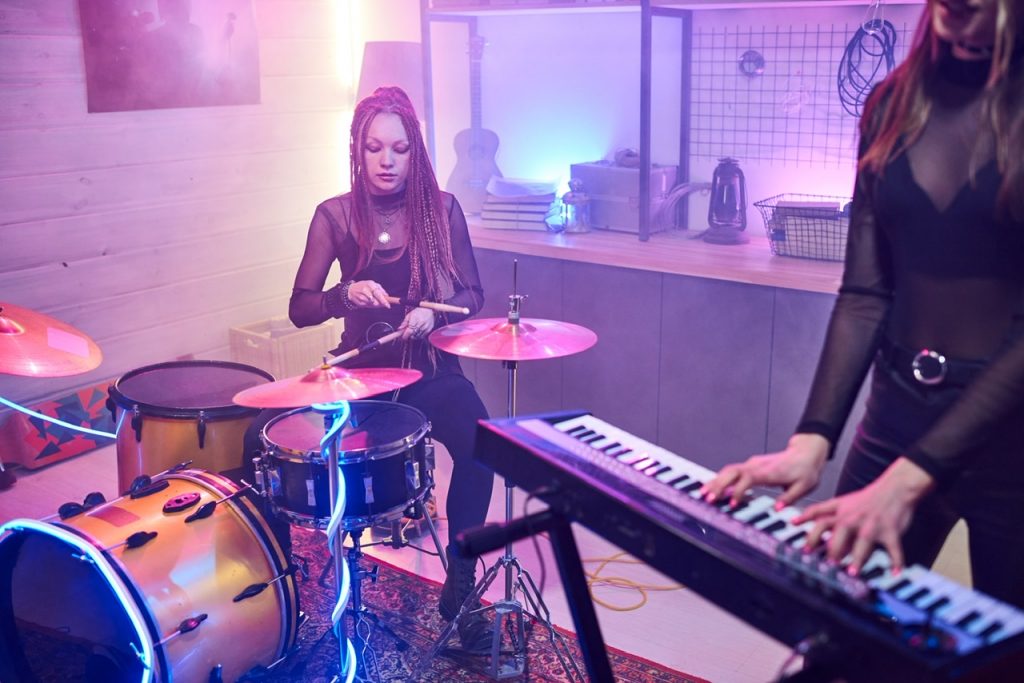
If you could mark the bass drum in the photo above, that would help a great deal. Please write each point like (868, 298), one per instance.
(179, 411)
(131, 590)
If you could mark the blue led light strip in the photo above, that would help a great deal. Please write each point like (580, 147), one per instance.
(48, 418)
(348, 666)
(95, 556)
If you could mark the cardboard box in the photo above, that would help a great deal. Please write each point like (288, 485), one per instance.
(615, 194)
(280, 348)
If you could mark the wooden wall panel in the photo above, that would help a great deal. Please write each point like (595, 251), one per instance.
(156, 231)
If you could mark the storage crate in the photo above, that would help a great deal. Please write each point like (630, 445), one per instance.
(806, 225)
(280, 348)
(615, 193)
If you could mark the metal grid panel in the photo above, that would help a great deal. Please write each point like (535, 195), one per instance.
(790, 114)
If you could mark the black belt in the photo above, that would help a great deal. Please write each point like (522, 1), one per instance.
(929, 367)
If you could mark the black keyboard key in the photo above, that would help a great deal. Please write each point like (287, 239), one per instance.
(661, 469)
(624, 453)
(917, 595)
(968, 618)
(577, 430)
(937, 605)
(611, 447)
(874, 573)
(675, 483)
(777, 525)
(991, 629)
(898, 586)
(592, 437)
(796, 537)
(692, 486)
(761, 516)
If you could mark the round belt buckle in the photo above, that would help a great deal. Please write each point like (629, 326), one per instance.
(929, 367)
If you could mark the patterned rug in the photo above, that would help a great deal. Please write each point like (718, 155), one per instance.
(406, 605)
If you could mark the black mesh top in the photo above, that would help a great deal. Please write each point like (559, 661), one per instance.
(930, 265)
(330, 239)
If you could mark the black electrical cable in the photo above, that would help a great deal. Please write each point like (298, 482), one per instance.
(868, 52)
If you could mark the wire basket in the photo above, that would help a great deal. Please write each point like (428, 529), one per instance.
(806, 225)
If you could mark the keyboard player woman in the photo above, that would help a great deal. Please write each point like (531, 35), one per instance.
(933, 295)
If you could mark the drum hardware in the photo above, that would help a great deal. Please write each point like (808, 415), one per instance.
(136, 540)
(186, 626)
(206, 509)
(510, 340)
(71, 508)
(255, 589)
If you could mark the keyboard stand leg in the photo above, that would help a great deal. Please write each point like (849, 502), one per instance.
(574, 581)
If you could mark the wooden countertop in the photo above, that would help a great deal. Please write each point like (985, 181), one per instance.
(675, 252)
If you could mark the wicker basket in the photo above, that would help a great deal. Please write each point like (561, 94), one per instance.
(806, 225)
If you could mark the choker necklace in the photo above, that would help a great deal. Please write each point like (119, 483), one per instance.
(982, 51)
(387, 218)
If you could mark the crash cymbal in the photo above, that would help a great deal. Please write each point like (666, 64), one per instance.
(326, 385)
(498, 339)
(36, 345)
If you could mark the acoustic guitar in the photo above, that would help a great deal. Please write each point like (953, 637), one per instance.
(475, 146)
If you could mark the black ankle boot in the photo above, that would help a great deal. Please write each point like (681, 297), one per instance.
(457, 585)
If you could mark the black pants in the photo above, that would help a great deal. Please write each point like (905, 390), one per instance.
(988, 495)
(452, 406)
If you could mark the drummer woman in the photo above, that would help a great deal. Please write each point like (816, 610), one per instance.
(397, 234)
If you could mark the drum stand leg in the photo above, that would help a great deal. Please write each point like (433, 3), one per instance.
(508, 612)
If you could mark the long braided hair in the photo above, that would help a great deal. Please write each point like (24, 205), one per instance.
(907, 104)
(434, 272)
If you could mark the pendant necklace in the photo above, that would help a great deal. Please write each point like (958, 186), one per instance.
(384, 237)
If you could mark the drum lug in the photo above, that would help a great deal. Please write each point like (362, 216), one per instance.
(137, 423)
(428, 454)
(112, 407)
(201, 428)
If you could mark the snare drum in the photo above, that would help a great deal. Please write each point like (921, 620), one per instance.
(173, 412)
(387, 461)
(78, 604)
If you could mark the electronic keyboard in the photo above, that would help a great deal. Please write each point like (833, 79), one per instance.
(913, 626)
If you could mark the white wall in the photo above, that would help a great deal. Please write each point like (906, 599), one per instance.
(156, 231)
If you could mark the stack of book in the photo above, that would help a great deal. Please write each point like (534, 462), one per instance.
(519, 212)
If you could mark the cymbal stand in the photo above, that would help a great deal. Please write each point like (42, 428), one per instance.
(508, 611)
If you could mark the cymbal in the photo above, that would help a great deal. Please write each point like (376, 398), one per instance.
(36, 345)
(498, 339)
(326, 385)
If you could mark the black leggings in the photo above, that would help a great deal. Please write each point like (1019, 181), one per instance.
(452, 406)
(988, 495)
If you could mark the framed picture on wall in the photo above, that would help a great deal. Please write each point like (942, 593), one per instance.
(158, 54)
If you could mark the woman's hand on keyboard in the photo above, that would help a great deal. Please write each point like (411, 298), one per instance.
(879, 513)
(797, 469)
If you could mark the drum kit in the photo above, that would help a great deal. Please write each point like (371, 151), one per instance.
(182, 576)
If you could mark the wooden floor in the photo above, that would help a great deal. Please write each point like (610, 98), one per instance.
(666, 624)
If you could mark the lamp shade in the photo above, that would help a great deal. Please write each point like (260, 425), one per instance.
(393, 63)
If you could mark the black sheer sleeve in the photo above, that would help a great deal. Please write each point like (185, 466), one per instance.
(469, 293)
(309, 303)
(858, 317)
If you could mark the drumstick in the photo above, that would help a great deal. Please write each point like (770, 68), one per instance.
(440, 308)
(386, 339)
